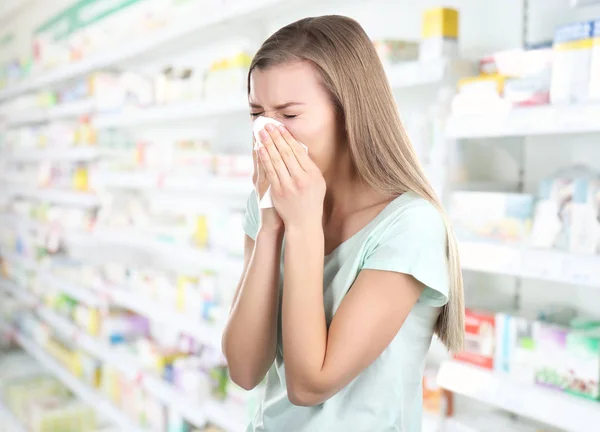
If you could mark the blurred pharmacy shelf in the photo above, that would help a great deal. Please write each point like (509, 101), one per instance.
(21, 261)
(74, 291)
(57, 112)
(177, 321)
(570, 413)
(238, 187)
(18, 292)
(541, 120)
(92, 397)
(407, 74)
(74, 154)
(204, 333)
(126, 362)
(172, 256)
(543, 264)
(171, 113)
(232, 14)
(198, 414)
(437, 71)
(57, 196)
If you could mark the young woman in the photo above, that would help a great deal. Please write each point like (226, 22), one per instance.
(349, 276)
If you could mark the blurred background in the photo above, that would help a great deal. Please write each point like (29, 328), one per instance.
(125, 164)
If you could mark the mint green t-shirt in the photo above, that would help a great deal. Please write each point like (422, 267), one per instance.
(408, 236)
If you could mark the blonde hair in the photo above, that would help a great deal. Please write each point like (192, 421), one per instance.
(380, 149)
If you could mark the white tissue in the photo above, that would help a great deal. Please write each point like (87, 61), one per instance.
(259, 124)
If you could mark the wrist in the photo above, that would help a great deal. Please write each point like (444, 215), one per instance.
(305, 229)
(270, 233)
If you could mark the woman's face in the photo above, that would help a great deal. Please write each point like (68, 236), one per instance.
(292, 93)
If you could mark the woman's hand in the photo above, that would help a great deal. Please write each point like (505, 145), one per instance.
(269, 219)
(297, 185)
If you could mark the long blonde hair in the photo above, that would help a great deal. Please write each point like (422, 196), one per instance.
(380, 149)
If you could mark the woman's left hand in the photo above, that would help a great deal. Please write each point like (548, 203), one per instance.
(297, 184)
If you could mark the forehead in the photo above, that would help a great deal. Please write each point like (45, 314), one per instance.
(294, 81)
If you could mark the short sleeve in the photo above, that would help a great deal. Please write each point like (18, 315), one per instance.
(252, 217)
(414, 243)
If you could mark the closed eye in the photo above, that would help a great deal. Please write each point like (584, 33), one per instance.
(256, 114)
(290, 116)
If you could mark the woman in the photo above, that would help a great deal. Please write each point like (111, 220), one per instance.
(340, 315)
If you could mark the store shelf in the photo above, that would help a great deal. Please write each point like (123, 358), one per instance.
(74, 291)
(165, 254)
(234, 15)
(25, 262)
(171, 113)
(40, 115)
(18, 292)
(57, 196)
(202, 332)
(169, 317)
(81, 390)
(237, 187)
(542, 120)
(8, 421)
(543, 264)
(557, 409)
(222, 416)
(53, 155)
(438, 71)
(126, 363)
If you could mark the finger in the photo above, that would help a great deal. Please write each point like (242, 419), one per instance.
(299, 151)
(276, 160)
(286, 152)
(268, 167)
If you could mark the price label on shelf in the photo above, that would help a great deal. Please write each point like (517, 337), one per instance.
(542, 264)
(582, 270)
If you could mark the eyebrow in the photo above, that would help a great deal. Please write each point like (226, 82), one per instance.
(278, 107)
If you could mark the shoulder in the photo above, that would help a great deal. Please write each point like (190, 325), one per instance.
(411, 238)
(411, 214)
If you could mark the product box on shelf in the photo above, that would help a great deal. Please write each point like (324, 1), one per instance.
(226, 77)
(551, 347)
(392, 51)
(572, 63)
(480, 338)
(595, 67)
(516, 353)
(439, 33)
(566, 214)
(504, 217)
(583, 363)
(527, 74)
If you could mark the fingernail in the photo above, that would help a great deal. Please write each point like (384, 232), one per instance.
(263, 134)
(270, 127)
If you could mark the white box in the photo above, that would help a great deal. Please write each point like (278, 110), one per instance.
(572, 63)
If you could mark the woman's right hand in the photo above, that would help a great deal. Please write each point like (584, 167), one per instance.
(269, 218)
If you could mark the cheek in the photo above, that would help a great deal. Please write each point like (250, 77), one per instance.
(317, 134)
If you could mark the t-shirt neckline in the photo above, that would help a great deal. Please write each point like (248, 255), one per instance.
(368, 225)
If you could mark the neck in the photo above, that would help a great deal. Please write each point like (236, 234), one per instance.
(346, 192)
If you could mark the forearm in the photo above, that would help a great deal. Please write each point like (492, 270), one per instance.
(250, 337)
(304, 322)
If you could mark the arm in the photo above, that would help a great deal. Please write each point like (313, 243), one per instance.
(250, 336)
(319, 362)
